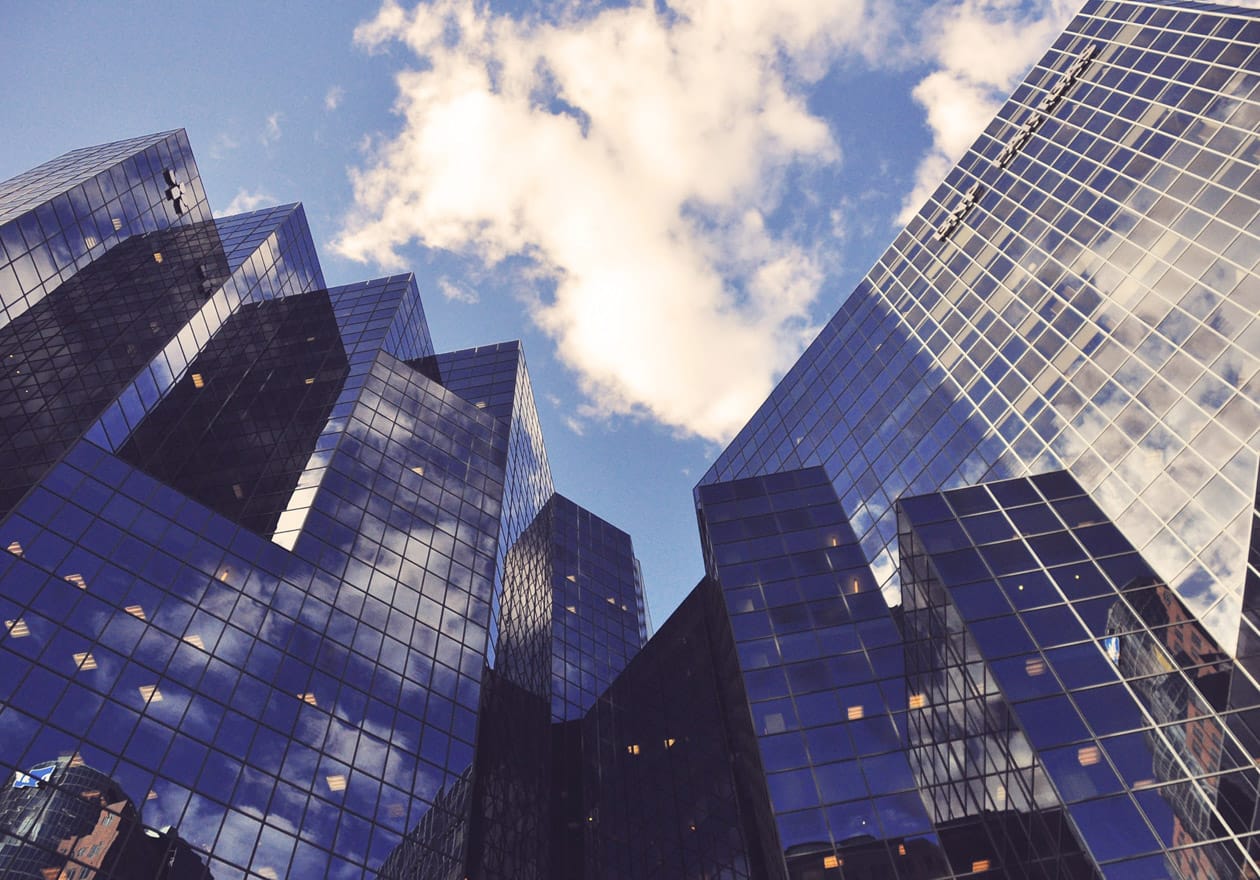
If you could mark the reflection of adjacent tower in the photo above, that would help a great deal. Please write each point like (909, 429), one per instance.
(1158, 620)
(64, 820)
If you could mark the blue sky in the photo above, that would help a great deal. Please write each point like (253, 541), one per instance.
(663, 203)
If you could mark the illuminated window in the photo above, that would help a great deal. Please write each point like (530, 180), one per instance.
(150, 693)
(84, 661)
(481, 404)
(918, 701)
(238, 490)
(856, 588)
(195, 641)
(669, 742)
(980, 865)
(612, 601)
(117, 223)
(1035, 666)
(199, 381)
(151, 796)
(308, 698)
(15, 548)
(571, 578)
(336, 782)
(157, 256)
(633, 749)
(572, 609)
(1087, 756)
(268, 873)
(901, 849)
(831, 862)
(135, 611)
(76, 760)
(418, 470)
(17, 628)
(77, 580)
(310, 380)
(90, 241)
(223, 575)
(855, 713)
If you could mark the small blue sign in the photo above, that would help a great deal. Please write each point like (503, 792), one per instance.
(35, 777)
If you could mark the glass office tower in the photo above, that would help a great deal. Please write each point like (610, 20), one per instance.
(289, 593)
(257, 532)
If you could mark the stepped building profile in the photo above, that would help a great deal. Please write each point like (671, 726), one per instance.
(290, 593)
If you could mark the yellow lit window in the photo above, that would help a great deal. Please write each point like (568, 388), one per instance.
(117, 223)
(310, 380)
(481, 404)
(918, 701)
(633, 749)
(223, 574)
(1035, 666)
(199, 381)
(90, 241)
(77, 580)
(150, 693)
(572, 609)
(1087, 756)
(15, 548)
(76, 760)
(418, 470)
(151, 796)
(901, 849)
(612, 601)
(17, 628)
(336, 782)
(979, 865)
(831, 862)
(571, 578)
(195, 641)
(308, 698)
(669, 742)
(135, 611)
(84, 661)
(855, 713)
(157, 256)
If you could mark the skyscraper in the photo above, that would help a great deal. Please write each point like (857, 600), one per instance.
(293, 591)
(257, 531)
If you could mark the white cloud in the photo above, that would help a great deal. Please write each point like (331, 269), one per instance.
(245, 201)
(332, 99)
(271, 132)
(633, 156)
(457, 293)
(980, 50)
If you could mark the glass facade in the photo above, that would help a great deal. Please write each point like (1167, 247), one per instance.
(1091, 307)
(287, 592)
(257, 532)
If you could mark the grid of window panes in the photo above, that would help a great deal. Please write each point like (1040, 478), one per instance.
(236, 432)
(595, 625)
(266, 272)
(67, 358)
(368, 316)
(495, 378)
(293, 715)
(1095, 310)
(1116, 690)
(57, 218)
(659, 790)
(821, 660)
